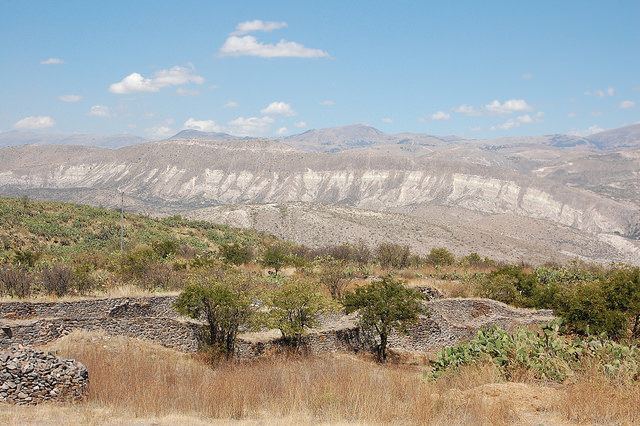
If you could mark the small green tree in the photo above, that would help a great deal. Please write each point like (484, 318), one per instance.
(165, 248)
(622, 292)
(225, 301)
(276, 256)
(440, 256)
(391, 255)
(333, 274)
(236, 254)
(585, 310)
(295, 307)
(385, 306)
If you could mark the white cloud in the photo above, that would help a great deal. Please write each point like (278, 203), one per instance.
(250, 126)
(202, 125)
(282, 130)
(327, 102)
(186, 92)
(231, 104)
(527, 76)
(508, 106)
(250, 46)
(440, 116)
(70, 98)
(601, 93)
(99, 111)
(467, 110)
(300, 124)
(175, 76)
(257, 25)
(572, 115)
(519, 120)
(587, 132)
(161, 131)
(387, 120)
(52, 61)
(278, 108)
(35, 122)
(627, 104)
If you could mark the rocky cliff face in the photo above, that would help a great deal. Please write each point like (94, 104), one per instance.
(187, 174)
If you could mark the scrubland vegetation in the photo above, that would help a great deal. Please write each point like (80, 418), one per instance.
(57, 249)
(239, 280)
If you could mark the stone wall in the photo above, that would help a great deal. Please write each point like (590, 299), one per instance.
(151, 318)
(448, 321)
(29, 377)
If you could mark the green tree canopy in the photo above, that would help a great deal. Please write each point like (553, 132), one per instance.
(295, 307)
(384, 306)
(226, 302)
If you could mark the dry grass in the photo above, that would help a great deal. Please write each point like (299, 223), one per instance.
(594, 399)
(127, 290)
(450, 288)
(146, 381)
(136, 382)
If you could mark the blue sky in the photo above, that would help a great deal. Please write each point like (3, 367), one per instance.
(480, 69)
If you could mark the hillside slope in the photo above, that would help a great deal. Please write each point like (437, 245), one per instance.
(525, 188)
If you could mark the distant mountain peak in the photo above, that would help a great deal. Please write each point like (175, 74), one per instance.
(198, 134)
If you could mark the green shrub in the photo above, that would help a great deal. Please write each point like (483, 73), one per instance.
(276, 256)
(546, 355)
(385, 306)
(295, 307)
(225, 301)
(441, 256)
(333, 274)
(390, 255)
(236, 254)
(165, 248)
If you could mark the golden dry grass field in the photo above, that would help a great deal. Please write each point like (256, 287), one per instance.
(136, 382)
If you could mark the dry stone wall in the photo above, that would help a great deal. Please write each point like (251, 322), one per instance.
(448, 322)
(151, 318)
(29, 376)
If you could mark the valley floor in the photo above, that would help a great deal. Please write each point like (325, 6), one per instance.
(136, 382)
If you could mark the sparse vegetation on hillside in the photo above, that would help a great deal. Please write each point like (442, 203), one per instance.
(58, 249)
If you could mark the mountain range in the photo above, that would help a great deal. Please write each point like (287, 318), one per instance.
(535, 199)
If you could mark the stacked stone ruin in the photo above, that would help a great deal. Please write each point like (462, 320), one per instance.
(29, 376)
(153, 318)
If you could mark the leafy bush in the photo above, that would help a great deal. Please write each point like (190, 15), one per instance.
(225, 301)
(440, 256)
(295, 307)
(586, 309)
(236, 254)
(276, 256)
(545, 355)
(385, 306)
(165, 248)
(26, 258)
(510, 284)
(476, 261)
(391, 255)
(333, 274)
